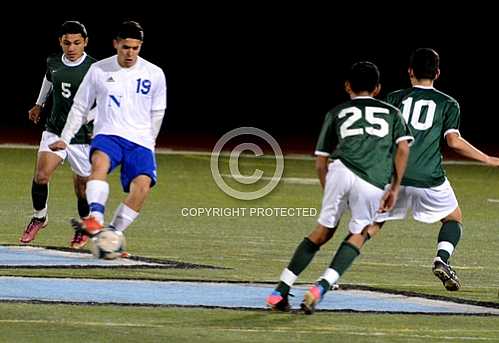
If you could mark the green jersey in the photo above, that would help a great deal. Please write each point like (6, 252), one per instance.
(65, 81)
(363, 134)
(430, 115)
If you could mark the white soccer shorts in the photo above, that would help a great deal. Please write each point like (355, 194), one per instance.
(428, 205)
(344, 190)
(76, 154)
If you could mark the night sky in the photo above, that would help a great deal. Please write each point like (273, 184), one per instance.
(277, 72)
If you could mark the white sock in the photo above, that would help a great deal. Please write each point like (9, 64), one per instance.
(123, 217)
(447, 246)
(288, 277)
(41, 213)
(331, 276)
(97, 193)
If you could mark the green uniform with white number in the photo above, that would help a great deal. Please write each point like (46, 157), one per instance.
(65, 82)
(363, 133)
(430, 114)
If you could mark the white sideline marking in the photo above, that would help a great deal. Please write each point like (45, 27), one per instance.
(291, 180)
(167, 151)
(493, 200)
(378, 333)
(77, 323)
(39, 256)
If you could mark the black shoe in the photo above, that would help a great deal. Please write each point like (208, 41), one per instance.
(446, 274)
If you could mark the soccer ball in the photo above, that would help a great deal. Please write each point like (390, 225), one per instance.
(108, 244)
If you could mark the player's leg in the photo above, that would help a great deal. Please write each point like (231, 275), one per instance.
(440, 204)
(448, 238)
(363, 201)
(449, 235)
(303, 255)
(106, 152)
(129, 209)
(97, 190)
(46, 163)
(80, 186)
(138, 175)
(338, 182)
(346, 254)
(78, 159)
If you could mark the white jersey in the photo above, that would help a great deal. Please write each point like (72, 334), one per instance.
(127, 101)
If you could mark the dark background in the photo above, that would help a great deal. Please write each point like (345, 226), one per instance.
(274, 70)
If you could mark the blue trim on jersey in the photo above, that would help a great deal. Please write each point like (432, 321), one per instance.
(135, 159)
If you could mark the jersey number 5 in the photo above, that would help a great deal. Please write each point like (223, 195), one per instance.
(381, 126)
(66, 89)
(415, 118)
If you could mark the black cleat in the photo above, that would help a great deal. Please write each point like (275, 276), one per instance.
(446, 274)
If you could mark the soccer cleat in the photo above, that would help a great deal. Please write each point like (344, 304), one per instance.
(125, 254)
(278, 302)
(311, 298)
(89, 225)
(446, 274)
(35, 225)
(80, 239)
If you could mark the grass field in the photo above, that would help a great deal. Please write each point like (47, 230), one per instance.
(253, 248)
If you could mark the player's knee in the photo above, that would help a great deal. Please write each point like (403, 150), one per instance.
(141, 189)
(456, 216)
(372, 230)
(321, 234)
(42, 177)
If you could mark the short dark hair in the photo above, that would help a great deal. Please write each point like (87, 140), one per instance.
(73, 26)
(130, 29)
(363, 76)
(425, 63)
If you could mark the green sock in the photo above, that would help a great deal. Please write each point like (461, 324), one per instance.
(304, 253)
(282, 288)
(450, 233)
(325, 285)
(344, 257)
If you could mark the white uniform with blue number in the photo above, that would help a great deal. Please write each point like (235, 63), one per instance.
(127, 99)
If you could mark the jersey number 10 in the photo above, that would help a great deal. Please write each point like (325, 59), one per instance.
(415, 119)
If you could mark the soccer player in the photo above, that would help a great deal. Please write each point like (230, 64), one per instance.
(433, 117)
(63, 77)
(368, 141)
(130, 94)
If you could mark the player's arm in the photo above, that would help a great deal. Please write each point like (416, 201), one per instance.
(83, 100)
(327, 140)
(400, 163)
(34, 112)
(466, 149)
(157, 119)
(321, 165)
(159, 104)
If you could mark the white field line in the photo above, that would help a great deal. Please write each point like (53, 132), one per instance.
(493, 200)
(164, 151)
(76, 323)
(388, 333)
(291, 180)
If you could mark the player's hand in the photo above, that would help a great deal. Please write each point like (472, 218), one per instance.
(34, 113)
(388, 200)
(59, 145)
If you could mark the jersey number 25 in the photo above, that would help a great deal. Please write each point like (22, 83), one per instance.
(381, 126)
